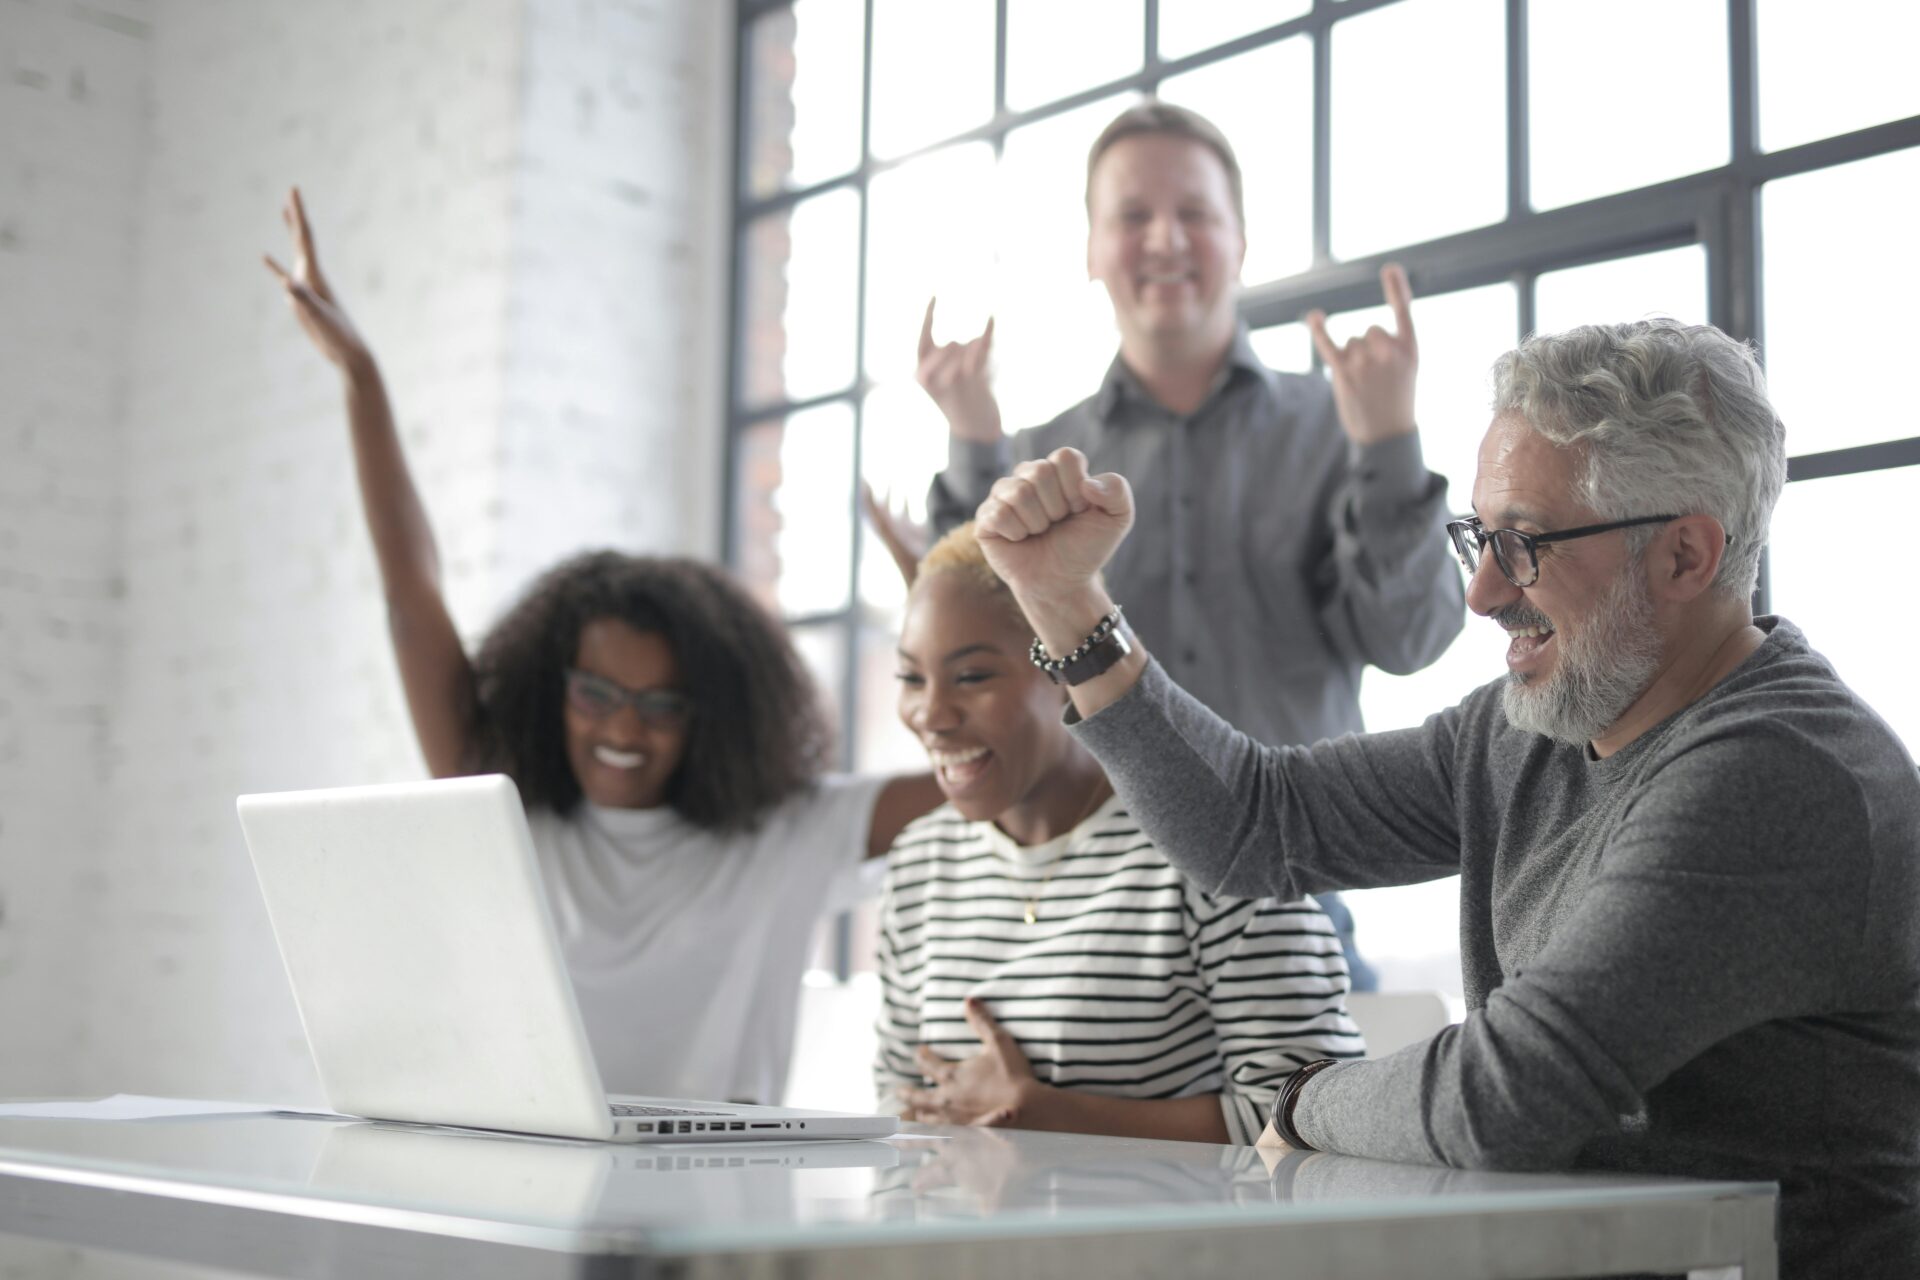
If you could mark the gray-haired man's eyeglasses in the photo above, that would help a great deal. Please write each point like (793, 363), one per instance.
(1518, 553)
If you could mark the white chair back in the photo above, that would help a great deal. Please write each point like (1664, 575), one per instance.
(1392, 1020)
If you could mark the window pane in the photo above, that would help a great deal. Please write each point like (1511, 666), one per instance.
(1188, 28)
(903, 446)
(885, 745)
(803, 86)
(1822, 591)
(932, 71)
(928, 235)
(1591, 139)
(1058, 47)
(794, 518)
(798, 300)
(1411, 934)
(1827, 69)
(1427, 157)
(1263, 102)
(1461, 334)
(1286, 347)
(823, 647)
(1053, 328)
(1840, 257)
(1672, 282)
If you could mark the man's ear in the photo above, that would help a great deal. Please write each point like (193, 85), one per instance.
(1686, 557)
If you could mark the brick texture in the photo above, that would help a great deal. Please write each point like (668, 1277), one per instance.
(522, 203)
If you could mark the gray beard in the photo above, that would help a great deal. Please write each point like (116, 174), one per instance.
(1602, 668)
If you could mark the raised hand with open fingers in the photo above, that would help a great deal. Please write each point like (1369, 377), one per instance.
(905, 540)
(955, 375)
(990, 1088)
(312, 299)
(1373, 374)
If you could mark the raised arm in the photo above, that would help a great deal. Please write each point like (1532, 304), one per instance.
(434, 669)
(1388, 589)
(1238, 817)
(957, 377)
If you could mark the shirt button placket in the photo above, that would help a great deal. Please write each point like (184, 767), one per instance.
(1185, 576)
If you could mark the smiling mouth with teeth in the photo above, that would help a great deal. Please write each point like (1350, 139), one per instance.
(618, 759)
(959, 767)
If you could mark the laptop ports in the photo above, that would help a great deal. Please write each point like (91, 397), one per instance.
(737, 1126)
(643, 1126)
(686, 1126)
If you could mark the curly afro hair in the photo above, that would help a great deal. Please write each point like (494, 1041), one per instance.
(758, 732)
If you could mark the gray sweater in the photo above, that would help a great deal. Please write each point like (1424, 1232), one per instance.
(1700, 956)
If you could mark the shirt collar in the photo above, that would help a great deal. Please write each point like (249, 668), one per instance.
(1121, 384)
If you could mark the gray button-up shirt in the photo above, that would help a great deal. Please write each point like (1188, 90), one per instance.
(1271, 559)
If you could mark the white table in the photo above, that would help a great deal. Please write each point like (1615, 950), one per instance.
(288, 1196)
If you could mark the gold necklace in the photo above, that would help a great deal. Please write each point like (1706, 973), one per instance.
(1033, 899)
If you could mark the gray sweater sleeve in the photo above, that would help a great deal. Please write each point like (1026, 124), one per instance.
(1712, 909)
(1253, 821)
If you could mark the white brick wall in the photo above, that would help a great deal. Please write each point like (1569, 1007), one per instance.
(522, 202)
(73, 89)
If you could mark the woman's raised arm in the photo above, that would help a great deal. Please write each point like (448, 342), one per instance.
(434, 668)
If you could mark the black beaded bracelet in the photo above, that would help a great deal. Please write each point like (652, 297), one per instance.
(1055, 666)
(1290, 1096)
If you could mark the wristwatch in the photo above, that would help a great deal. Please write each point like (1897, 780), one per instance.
(1109, 642)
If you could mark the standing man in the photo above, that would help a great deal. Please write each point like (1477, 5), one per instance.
(1289, 531)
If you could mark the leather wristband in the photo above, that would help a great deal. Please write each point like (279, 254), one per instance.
(1290, 1097)
(1108, 643)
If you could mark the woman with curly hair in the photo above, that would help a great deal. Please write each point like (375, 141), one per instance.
(669, 747)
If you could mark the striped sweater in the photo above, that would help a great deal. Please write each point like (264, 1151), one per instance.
(1130, 982)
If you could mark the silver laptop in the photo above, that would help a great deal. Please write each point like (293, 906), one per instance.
(416, 934)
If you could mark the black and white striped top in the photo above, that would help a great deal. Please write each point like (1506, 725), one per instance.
(1131, 982)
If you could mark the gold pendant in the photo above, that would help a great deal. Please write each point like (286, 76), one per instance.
(1032, 914)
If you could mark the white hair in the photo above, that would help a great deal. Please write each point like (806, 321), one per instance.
(1668, 418)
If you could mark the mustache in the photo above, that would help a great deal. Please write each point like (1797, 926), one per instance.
(1518, 614)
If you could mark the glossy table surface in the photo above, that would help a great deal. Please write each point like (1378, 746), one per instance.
(221, 1187)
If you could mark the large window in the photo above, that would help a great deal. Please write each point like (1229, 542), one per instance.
(1534, 163)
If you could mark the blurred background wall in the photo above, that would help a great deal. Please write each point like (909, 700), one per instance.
(522, 202)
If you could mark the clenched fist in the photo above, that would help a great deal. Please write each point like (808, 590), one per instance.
(1049, 528)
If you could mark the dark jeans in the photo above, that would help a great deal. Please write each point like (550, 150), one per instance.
(1364, 978)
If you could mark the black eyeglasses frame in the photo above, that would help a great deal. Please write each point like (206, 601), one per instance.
(1470, 527)
(659, 708)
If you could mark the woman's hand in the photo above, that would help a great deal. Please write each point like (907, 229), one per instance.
(994, 1087)
(314, 305)
(904, 540)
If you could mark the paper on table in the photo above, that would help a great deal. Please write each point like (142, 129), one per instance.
(133, 1106)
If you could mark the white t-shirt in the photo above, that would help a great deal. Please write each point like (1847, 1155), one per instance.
(686, 946)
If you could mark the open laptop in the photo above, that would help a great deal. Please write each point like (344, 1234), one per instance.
(422, 954)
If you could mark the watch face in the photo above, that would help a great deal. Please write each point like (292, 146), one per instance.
(1110, 649)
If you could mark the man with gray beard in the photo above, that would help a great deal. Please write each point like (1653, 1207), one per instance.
(1687, 850)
